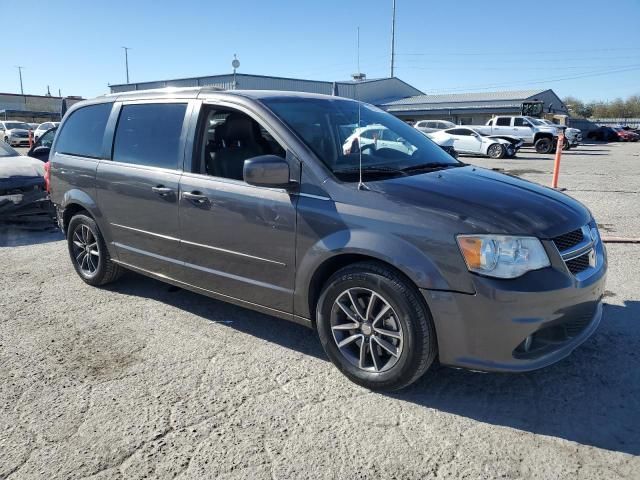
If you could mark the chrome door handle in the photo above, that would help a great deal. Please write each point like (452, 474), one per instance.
(162, 190)
(195, 197)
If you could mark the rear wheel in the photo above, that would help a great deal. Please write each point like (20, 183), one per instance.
(88, 252)
(374, 326)
(544, 145)
(495, 151)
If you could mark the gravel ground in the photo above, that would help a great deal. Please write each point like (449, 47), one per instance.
(143, 380)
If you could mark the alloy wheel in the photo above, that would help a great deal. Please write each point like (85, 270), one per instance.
(366, 330)
(495, 151)
(85, 250)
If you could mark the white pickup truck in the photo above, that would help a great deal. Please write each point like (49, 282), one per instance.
(531, 130)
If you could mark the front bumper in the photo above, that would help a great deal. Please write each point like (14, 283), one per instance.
(18, 141)
(487, 330)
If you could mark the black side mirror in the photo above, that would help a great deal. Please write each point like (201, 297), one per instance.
(40, 152)
(267, 171)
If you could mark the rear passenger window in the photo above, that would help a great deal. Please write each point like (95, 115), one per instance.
(149, 134)
(503, 121)
(83, 131)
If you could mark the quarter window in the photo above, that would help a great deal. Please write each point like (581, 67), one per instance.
(83, 131)
(149, 134)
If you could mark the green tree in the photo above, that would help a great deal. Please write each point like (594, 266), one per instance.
(618, 108)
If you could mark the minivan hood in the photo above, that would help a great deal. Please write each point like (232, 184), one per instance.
(487, 201)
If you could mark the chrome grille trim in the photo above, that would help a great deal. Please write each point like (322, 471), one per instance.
(580, 258)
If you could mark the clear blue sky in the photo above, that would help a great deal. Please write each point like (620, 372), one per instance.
(442, 46)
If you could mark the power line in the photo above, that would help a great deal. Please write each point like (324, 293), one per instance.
(445, 60)
(538, 81)
(492, 68)
(519, 53)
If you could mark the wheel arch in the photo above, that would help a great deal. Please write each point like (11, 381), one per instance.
(395, 254)
(540, 135)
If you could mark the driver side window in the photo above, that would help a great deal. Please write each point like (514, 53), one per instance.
(228, 137)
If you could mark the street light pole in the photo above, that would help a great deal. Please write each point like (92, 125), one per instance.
(126, 61)
(20, 73)
(393, 36)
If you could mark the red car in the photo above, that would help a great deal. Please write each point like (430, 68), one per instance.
(626, 135)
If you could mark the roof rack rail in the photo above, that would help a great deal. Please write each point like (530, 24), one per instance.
(204, 88)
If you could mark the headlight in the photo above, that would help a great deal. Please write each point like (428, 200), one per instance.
(502, 256)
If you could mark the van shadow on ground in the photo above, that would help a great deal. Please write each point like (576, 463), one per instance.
(592, 397)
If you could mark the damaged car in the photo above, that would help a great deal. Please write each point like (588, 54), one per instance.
(23, 194)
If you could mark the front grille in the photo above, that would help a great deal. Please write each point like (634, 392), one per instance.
(578, 264)
(574, 327)
(568, 240)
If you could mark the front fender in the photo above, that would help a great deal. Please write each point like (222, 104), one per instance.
(386, 248)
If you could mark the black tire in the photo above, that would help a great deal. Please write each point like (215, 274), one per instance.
(544, 145)
(106, 270)
(496, 150)
(566, 145)
(419, 346)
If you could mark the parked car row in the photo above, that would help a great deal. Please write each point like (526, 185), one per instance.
(16, 133)
(613, 134)
(514, 130)
(471, 142)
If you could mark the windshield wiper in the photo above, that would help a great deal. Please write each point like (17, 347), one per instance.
(431, 166)
(370, 170)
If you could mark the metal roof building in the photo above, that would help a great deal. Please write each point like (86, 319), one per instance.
(376, 91)
(33, 108)
(472, 108)
(391, 94)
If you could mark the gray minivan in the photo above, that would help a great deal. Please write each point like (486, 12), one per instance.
(290, 204)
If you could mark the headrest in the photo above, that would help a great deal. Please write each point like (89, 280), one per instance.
(238, 128)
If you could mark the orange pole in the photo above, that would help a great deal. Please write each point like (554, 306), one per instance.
(556, 164)
(30, 138)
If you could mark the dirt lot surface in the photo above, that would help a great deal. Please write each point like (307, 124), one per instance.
(143, 380)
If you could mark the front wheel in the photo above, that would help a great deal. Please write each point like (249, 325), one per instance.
(89, 253)
(544, 145)
(495, 151)
(374, 326)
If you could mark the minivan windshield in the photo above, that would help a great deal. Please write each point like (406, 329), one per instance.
(341, 132)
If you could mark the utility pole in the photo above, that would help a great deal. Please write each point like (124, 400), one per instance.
(393, 37)
(126, 61)
(19, 67)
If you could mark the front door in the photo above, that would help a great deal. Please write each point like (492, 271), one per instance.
(466, 140)
(237, 240)
(138, 189)
(523, 129)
